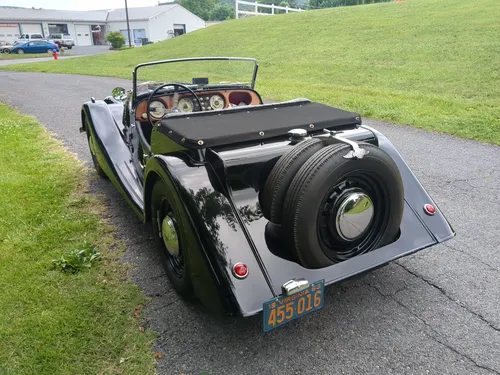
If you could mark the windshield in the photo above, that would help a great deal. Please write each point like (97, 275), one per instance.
(197, 72)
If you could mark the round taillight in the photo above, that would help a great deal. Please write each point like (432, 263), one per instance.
(429, 209)
(240, 270)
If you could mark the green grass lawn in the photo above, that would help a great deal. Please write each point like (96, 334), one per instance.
(432, 64)
(53, 322)
(12, 56)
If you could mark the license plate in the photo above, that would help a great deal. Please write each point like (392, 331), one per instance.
(283, 309)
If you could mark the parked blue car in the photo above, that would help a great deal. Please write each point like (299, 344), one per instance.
(35, 46)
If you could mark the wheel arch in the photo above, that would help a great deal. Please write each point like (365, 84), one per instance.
(205, 274)
(151, 178)
(83, 114)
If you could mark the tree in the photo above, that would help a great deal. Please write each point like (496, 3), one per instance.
(221, 13)
(116, 39)
(317, 4)
(202, 9)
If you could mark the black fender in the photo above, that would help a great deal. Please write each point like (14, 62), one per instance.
(113, 155)
(217, 239)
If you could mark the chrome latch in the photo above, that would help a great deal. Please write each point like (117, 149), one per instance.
(356, 152)
(294, 286)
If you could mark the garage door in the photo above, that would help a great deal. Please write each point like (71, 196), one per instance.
(31, 28)
(9, 32)
(83, 37)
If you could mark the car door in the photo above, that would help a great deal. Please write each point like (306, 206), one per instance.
(38, 47)
(45, 46)
(27, 47)
(140, 148)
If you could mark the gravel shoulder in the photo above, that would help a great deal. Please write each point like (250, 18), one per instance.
(435, 312)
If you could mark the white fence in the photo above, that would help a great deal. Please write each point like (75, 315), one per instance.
(256, 6)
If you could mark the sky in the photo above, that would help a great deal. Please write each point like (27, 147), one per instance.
(79, 4)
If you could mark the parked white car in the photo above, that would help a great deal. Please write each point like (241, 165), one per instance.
(62, 40)
(7, 48)
(30, 36)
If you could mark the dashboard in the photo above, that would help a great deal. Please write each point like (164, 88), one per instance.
(187, 103)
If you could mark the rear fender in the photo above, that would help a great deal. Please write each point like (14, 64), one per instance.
(415, 194)
(216, 238)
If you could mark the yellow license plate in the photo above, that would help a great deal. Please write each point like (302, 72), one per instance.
(283, 309)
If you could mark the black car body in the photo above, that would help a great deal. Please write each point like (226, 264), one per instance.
(210, 168)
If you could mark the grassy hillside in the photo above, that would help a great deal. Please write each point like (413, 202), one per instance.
(433, 64)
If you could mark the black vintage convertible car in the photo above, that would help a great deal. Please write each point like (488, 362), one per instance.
(255, 206)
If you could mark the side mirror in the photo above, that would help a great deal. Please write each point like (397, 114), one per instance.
(119, 93)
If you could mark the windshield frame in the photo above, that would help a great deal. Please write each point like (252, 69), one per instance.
(134, 74)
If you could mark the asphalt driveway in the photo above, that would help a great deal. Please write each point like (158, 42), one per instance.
(436, 312)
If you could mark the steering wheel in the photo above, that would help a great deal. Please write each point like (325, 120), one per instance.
(165, 85)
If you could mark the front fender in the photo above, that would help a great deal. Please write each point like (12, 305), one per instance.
(216, 238)
(112, 152)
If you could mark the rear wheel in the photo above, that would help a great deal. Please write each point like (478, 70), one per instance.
(338, 208)
(69, 47)
(49, 51)
(20, 51)
(169, 241)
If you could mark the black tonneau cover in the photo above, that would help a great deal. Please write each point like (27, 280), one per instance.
(243, 124)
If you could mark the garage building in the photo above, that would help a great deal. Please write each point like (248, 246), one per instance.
(155, 23)
(91, 27)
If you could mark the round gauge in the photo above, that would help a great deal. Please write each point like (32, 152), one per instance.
(217, 102)
(185, 105)
(157, 109)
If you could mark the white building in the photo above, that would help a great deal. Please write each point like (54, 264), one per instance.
(91, 27)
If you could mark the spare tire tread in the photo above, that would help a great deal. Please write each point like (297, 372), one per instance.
(277, 184)
(296, 190)
(302, 183)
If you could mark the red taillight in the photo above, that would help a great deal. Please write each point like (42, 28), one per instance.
(429, 209)
(240, 270)
(62, 41)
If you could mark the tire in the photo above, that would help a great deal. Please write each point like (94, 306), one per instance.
(97, 166)
(6, 50)
(273, 195)
(69, 47)
(49, 51)
(319, 222)
(20, 51)
(175, 266)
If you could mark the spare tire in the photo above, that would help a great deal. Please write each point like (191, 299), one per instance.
(277, 183)
(338, 208)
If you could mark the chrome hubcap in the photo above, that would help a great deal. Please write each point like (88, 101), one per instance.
(169, 236)
(354, 216)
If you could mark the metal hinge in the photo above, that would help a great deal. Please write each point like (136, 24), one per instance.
(356, 152)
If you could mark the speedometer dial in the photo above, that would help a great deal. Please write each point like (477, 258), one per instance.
(186, 105)
(217, 102)
(157, 109)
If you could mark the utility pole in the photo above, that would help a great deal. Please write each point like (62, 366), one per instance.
(128, 25)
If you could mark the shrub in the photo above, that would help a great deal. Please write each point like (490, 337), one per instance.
(116, 39)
